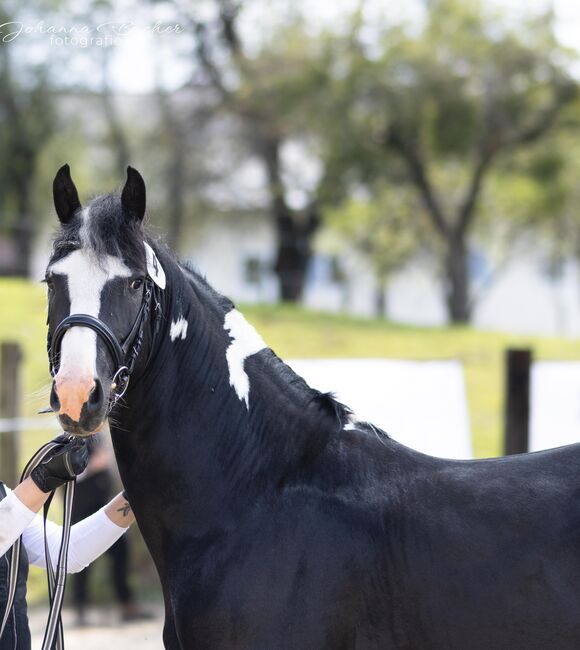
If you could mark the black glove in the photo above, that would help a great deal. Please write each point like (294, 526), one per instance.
(65, 463)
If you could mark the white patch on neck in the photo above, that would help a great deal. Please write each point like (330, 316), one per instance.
(178, 329)
(86, 277)
(246, 341)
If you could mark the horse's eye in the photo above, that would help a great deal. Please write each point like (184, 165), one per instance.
(137, 283)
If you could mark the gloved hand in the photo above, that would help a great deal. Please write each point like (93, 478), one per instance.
(63, 465)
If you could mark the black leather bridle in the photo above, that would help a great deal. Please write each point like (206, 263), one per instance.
(124, 353)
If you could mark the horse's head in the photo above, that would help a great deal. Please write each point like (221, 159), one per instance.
(100, 278)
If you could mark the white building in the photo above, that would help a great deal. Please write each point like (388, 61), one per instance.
(237, 256)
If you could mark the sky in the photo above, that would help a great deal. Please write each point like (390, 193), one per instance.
(134, 51)
(144, 51)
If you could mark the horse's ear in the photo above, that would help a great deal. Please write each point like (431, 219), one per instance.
(64, 192)
(133, 195)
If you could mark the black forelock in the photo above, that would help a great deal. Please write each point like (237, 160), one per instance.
(106, 231)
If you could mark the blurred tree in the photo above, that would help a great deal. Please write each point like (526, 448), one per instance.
(440, 107)
(378, 227)
(266, 92)
(175, 135)
(27, 119)
(117, 138)
(552, 191)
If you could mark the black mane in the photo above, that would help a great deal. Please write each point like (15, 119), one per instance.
(321, 410)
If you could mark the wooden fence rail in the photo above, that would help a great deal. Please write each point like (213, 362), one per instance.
(10, 398)
(518, 365)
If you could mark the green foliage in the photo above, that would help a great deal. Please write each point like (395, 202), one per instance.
(441, 107)
(467, 76)
(27, 123)
(383, 228)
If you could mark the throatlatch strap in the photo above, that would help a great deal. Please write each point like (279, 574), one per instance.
(53, 636)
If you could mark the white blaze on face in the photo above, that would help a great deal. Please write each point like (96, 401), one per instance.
(86, 278)
(246, 341)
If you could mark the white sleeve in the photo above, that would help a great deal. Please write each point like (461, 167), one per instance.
(14, 518)
(89, 538)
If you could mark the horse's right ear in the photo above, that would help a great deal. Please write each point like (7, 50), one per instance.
(64, 192)
(133, 195)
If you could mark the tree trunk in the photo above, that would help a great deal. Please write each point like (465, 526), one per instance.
(175, 173)
(293, 255)
(458, 307)
(24, 228)
(381, 298)
(117, 136)
(294, 230)
(175, 179)
(23, 237)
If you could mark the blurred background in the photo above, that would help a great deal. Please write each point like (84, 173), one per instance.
(391, 184)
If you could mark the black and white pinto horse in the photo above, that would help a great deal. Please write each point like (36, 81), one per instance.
(275, 519)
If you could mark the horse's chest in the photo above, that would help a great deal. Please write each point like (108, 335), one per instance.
(272, 596)
(249, 625)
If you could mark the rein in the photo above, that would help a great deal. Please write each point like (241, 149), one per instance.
(53, 634)
(125, 353)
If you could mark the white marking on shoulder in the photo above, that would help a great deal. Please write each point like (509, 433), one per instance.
(245, 342)
(86, 277)
(178, 329)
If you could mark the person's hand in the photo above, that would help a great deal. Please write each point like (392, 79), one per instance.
(63, 465)
(62, 439)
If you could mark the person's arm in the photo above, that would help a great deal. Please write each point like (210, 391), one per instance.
(17, 510)
(89, 538)
(119, 511)
(31, 495)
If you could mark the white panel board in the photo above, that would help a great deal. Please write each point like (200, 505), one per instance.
(555, 404)
(422, 404)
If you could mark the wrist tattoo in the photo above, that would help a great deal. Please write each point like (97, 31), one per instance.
(125, 509)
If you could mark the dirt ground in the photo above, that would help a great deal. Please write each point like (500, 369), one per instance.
(103, 628)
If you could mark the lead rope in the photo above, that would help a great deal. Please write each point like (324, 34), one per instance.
(53, 635)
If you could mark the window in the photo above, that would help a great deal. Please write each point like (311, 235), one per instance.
(253, 271)
(337, 275)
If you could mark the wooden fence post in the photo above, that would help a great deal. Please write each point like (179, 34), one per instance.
(10, 358)
(517, 400)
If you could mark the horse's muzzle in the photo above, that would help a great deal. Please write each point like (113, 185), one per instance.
(81, 405)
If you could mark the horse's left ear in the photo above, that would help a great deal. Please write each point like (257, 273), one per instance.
(133, 195)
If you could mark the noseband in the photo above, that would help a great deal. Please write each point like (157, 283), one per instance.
(124, 353)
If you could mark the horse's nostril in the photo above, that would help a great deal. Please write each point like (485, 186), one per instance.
(54, 401)
(96, 395)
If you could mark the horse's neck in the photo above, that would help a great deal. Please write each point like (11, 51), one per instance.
(217, 417)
